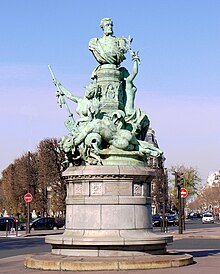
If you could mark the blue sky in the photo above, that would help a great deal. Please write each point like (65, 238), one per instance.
(178, 81)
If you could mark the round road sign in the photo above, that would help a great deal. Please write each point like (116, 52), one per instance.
(28, 197)
(183, 192)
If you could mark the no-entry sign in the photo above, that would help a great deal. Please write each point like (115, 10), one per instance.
(183, 192)
(28, 197)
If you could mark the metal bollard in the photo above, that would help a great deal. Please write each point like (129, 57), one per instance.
(166, 225)
(16, 228)
(6, 228)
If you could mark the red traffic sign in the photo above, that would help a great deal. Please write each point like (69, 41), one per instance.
(183, 192)
(28, 197)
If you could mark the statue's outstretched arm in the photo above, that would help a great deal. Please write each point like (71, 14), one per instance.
(67, 93)
(61, 90)
(136, 60)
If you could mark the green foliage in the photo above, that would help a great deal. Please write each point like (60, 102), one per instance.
(191, 181)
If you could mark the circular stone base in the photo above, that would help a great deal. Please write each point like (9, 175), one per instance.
(53, 262)
(108, 243)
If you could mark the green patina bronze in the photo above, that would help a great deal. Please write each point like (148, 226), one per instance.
(110, 130)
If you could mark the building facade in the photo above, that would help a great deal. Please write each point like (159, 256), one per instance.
(159, 186)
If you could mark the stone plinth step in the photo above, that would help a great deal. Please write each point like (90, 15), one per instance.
(48, 261)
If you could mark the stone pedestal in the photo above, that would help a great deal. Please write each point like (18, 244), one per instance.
(109, 79)
(108, 213)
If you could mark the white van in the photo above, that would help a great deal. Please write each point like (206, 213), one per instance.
(207, 218)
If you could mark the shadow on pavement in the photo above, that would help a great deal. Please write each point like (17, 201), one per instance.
(201, 253)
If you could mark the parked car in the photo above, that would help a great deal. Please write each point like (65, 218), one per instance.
(156, 220)
(7, 223)
(194, 215)
(207, 218)
(171, 221)
(46, 223)
(22, 226)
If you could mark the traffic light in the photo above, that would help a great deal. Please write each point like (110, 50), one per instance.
(179, 179)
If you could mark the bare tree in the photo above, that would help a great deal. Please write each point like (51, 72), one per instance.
(50, 182)
(39, 173)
